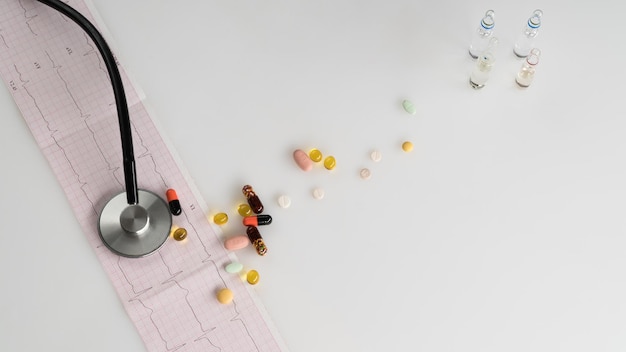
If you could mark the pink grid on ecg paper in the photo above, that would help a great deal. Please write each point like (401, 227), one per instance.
(59, 82)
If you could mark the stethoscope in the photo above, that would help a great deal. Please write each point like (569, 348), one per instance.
(136, 222)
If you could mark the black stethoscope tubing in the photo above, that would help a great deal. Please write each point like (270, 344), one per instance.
(130, 174)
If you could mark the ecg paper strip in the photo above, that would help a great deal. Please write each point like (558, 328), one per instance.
(61, 86)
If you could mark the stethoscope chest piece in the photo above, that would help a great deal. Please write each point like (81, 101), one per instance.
(135, 230)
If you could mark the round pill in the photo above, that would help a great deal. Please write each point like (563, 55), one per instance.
(366, 174)
(252, 277)
(236, 242)
(284, 201)
(234, 267)
(318, 193)
(376, 156)
(302, 160)
(179, 234)
(407, 146)
(315, 155)
(220, 218)
(225, 296)
(409, 107)
(330, 162)
(244, 210)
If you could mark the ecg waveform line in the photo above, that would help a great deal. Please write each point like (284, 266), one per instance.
(4, 42)
(170, 295)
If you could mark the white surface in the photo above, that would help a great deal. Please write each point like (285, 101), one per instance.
(502, 231)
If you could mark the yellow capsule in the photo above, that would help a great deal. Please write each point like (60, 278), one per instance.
(315, 155)
(179, 234)
(225, 296)
(244, 210)
(253, 277)
(407, 146)
(329, 162)
(220, 218)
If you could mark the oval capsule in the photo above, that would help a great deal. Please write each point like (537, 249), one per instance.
(315, 155)
(257, 241)
(257, 220)
(233, 267)
(302, 160)
(236, 242)
(179, 234)
(173, 202)
(253, 199)
(253, 277)
(220, 218)
(409, 107)
(244, 210)
(330, 162)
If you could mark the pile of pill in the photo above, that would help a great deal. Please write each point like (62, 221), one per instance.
(251, 222)
(252, 216)
(251, 276)
(178, 233)
(305, 162)
(408, 106)
(225, 295)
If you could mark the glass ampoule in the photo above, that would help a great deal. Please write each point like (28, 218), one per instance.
(526, 73)
(480, 40)
(526, 38)
(484, 64)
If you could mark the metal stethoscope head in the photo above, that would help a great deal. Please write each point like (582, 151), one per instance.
(136, 222)
(135, 230)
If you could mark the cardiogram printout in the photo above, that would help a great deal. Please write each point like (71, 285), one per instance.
(61, 86)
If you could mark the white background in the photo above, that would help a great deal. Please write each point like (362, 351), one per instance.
(502, 231)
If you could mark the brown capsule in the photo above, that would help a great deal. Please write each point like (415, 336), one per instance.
(257, 241)
(253, 199)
